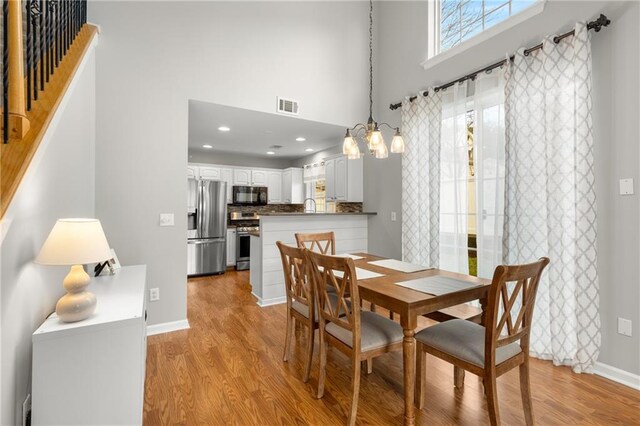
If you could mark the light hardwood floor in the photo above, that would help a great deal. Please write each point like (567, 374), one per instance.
(228, 369)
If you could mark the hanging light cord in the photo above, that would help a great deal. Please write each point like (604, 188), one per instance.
(370, 59)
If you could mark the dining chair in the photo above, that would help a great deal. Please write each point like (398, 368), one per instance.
(325, 243)
(361, 335)
(321, 242)
(300, 300)
(491, 350)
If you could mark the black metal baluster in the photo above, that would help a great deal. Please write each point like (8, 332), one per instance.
(34, 12)
(28, 54)
(5, 71)
(41, 41)
(56, 22)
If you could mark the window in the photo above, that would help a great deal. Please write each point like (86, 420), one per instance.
(459, 20)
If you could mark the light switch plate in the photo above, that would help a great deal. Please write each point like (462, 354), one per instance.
(626, 186)
(166, 219)
(393, 216)
(624, 327)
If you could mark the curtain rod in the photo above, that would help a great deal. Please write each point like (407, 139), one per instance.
(596, 25)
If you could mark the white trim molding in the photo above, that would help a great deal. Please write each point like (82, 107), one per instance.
(617, 375)
(167, 327)
(269, 302)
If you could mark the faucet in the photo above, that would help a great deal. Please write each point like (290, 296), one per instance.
(305, 205)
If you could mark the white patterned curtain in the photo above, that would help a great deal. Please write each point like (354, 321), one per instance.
(454, 180)
(421, 121)
(488, 160)
(550, 197)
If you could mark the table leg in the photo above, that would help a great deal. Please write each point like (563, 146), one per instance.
(409, 361)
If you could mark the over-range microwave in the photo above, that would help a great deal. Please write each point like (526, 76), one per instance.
(250, 195)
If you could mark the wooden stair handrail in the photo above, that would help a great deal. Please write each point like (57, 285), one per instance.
(18, 121)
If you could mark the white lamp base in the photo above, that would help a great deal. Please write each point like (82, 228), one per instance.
(78, 303)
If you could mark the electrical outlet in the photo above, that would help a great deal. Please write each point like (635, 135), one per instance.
(26, 411)
(154, 294)
(393, 216)
(624, 327)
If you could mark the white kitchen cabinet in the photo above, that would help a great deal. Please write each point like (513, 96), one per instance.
(330, 179)
(242, 177)
(210, 173)
(231, 246)
(344, 179)
(227, 176)
(91, 372)
(192, 172)
(274, 185)
(292, 186)
(259, 177)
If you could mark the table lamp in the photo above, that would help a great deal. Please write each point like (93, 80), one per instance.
(75, 242)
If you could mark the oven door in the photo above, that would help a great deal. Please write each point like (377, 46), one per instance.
(243, 251)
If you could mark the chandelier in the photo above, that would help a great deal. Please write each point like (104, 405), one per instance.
(370, 133)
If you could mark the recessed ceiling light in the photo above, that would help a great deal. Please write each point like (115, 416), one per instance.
(207, 146)
(224, 128)
(270, 152)
(301, 139)
(309, 149)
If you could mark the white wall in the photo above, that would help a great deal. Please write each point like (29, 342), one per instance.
(155, 56)
(401, 42)
(59, 183)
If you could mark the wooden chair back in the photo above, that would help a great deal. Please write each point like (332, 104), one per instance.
(296, 278)
(510, 306)
(321, 242)
(339, 274)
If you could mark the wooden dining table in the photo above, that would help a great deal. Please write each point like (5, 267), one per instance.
(409, 304)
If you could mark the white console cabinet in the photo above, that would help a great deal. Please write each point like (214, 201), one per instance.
(92, 372)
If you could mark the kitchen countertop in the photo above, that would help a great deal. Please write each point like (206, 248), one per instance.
(254, 233)
(317, 214)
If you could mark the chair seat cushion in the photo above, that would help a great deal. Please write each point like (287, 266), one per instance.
(464, 340)
(303, 309)
(376, 331)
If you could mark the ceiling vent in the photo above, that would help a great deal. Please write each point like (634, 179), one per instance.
(287, 106)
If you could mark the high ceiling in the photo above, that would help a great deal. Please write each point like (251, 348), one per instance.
(254, 133)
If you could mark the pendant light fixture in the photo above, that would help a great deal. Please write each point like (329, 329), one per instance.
(370, 133)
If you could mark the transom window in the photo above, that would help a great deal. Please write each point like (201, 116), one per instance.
(460, 20)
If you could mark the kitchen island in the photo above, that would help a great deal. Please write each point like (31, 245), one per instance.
(266, 276)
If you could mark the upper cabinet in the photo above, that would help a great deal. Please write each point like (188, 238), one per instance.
(227, 176)
(274, 185)
(259, 177)
(292, 186)
(284, 186)
(242, 177)
(192, 172)
(344, 179)
(210, 173)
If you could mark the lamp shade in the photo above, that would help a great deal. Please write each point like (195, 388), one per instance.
(75, 242)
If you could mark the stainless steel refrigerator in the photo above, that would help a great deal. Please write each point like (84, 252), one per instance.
(207, 224)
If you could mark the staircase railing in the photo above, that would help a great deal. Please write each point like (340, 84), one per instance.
(36, 36)
(44, 43)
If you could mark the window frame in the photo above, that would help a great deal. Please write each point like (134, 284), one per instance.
(434, 56)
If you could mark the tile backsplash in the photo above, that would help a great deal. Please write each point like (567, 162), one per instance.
(348, 207)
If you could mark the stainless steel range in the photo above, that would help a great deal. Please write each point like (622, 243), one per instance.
(245, 223)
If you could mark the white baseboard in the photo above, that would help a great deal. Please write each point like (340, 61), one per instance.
(269, 302)
(617, 375)
(167, 327)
